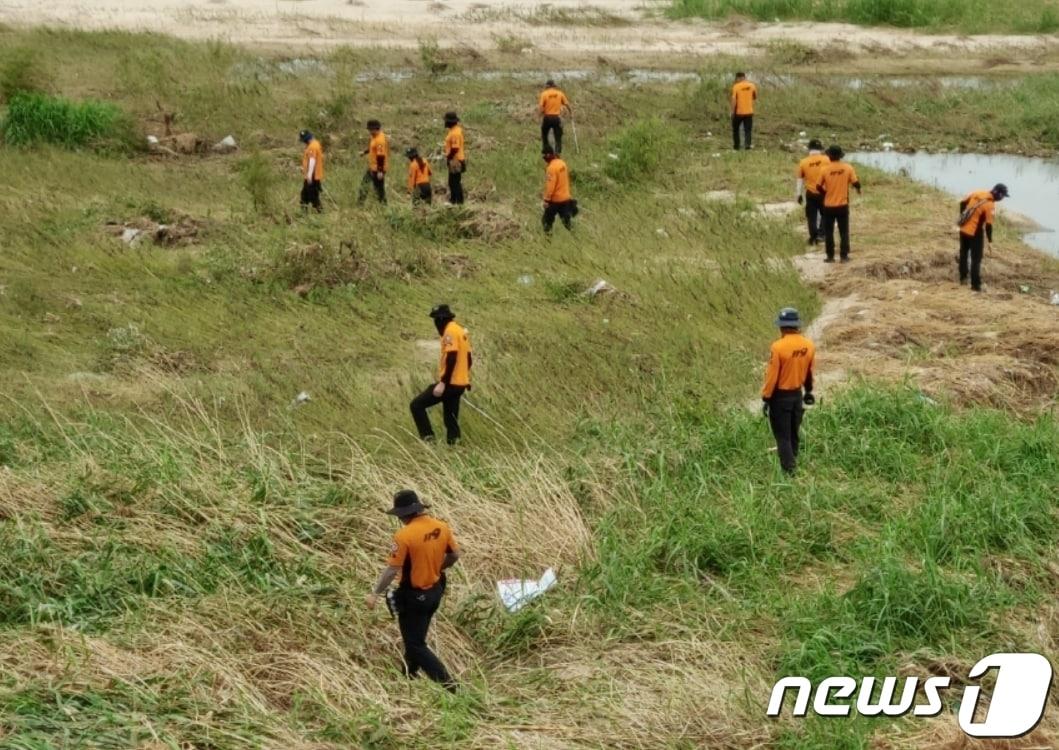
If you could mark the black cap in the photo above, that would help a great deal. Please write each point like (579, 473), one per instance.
(406, 503)
(1001, 190)
(412, 153)
(451, 118)
(305, 136)
(835, 152)
(374, 125)
(442, 312)
(740, 74)
(816, 145)
(550, 83)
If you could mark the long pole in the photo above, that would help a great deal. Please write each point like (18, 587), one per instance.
(573, 127)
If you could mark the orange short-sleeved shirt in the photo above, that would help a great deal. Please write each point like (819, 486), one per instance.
(984, 205)
(455, 339)
(552, 102)
(790, 364)
(810, 169)
(744, 93)
(419, 550)
(835, 181)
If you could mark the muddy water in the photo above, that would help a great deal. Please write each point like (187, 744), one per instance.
(1034, 184)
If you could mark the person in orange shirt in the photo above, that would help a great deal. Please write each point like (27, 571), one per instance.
(454, 377)
(744, 94)
(790, 370)
(977, 211)
(551, 105)
(422, 550)
(455, 156)
(418, 177)
(378, 153)
(312, 172)
(808, 177)
(835, 181)
(558, 201)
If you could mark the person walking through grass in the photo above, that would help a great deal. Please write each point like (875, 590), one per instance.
(835, 181)
(455, 157)
(790, 370)
(558, 200)
(418, 177)
(378, 153)
(454, 378)
(743, 97)
(550, 105)
(312, 172)
(977, 211)
(808, 175)
(422, 550)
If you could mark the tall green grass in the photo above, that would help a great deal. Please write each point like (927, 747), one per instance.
(1033, 16)
(34, 118)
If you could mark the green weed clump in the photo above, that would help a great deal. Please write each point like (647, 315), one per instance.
(638, 150)
(34, 118)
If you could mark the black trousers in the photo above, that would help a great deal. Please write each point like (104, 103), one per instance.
(785, 418)
(422, 194)
(311, 194)
(552, 124)
(456, 186)
(972, 249)
(832, 216)
(564, 210)
(746, 122)
(814, 206)
(371, 181)
(415, 610)
(450, 409)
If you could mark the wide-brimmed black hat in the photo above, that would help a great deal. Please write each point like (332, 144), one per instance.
(788, 318)
(406, 503)
(442, 312)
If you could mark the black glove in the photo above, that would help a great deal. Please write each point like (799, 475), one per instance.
(765, 408)
(808, 399)
(800, 200)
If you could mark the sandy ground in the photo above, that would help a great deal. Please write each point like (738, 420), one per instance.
(612, 26)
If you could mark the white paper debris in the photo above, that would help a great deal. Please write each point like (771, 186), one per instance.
(516, 593)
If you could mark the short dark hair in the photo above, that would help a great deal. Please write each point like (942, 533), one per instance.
(374, 125)
(740, 74)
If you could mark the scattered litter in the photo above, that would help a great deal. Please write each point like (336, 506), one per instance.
(516, 593)
(183, 231)
(717, 156)
(225, 146)
(130, 235)
(606, 321)
(301, 398)
(613, 156)
(888, 146)
(1054, 298)
(152, 142)
(709, 133)
(802, 134)
(720, 196)
(1024, 288)
(525, 280)
(599, 286)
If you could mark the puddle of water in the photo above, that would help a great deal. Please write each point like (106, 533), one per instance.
(1034, 183)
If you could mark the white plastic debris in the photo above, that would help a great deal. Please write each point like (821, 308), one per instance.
(226, 145)
(130, 235)
(525, 279)
(152, 141)
(613, 157)
(301, 398)
(802, 134)
(1054, 298)
(516, 593)
(1024, 288)
(888, 146)
(599, 286)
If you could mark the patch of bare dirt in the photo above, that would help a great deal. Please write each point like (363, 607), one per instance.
(896, 311)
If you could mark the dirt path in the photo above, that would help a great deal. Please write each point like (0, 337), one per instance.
(897, 312)
(572, 26)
